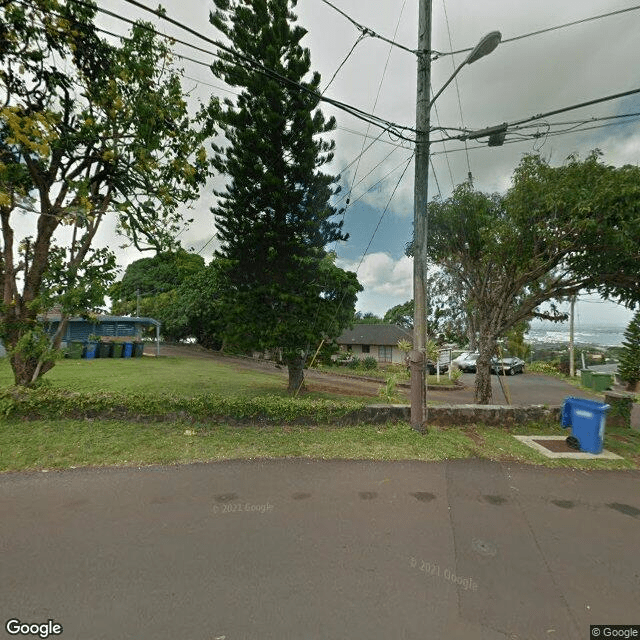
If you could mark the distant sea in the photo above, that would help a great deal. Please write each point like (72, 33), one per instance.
(601, 335)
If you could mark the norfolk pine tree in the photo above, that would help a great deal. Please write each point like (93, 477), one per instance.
(629, 367)
(281, 291)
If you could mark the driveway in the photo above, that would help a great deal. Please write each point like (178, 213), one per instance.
(321, 550)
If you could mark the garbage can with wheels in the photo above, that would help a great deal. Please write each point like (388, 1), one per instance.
(586, 378)
(127, 349)
(587, 420)
(601, 381)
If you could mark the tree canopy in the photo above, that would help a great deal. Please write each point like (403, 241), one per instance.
(549, 237)
(88, 130)
(280, 290)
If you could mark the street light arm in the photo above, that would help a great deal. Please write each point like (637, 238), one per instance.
(486, 45)
(446, 84)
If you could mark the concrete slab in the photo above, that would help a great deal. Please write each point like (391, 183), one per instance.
(577, 455)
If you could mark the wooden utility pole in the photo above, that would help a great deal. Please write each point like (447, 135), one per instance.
(420, 219)
(572, 366)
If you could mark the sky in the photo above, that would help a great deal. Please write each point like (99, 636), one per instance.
(522, 78)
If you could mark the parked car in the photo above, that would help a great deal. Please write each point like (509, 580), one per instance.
(431, 367)
(463, 356)
(468, 363)
(509, 366)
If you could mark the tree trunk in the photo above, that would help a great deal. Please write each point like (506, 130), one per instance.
(25, 368)
(487, 348)
(296, 374)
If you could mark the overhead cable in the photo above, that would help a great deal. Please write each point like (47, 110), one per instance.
(438, 54)
(474, 135)
(274, 75)
(368, 32)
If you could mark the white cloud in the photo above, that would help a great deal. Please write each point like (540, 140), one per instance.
(386, 281)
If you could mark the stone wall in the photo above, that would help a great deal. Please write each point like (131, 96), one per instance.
(457, 414)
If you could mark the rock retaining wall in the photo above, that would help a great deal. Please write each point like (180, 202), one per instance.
(457, 414)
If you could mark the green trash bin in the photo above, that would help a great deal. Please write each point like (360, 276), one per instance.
(586, 378)
(105, 349)
(116, 352)
(138, 349)
(74, 349)
(601, 381)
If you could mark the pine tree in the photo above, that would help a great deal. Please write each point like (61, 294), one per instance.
(274, 219)
(629, 367)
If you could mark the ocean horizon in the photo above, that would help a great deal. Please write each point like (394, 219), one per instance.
(603, 335)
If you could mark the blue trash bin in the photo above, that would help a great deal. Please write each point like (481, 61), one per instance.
(587, 420)
(127, 349)
(90, 350)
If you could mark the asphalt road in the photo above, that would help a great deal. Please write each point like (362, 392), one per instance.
(293, 549)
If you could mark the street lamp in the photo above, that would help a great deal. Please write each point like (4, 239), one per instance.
(421, 187)
(486, 45)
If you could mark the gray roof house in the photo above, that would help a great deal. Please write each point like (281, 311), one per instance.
(379, 341)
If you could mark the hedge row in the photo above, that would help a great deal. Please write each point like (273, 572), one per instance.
(47, 403)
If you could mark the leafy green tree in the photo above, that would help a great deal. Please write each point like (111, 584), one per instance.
(197, 311)
(629, 367)
(163, 272)
(446, 319)
(281, 292)
(367, 318)
(515, 343)
(512, 254)
(88, 131)
(150, 287)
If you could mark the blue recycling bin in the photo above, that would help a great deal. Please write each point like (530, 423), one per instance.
(127, 349)
(90, 350)
(587, 420)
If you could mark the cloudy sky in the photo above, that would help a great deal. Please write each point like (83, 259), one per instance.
(522, 78)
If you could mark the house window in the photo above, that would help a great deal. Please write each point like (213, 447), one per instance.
(365, 348)
(385, 353)
(349, 347)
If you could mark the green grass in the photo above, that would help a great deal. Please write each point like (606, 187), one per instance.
(167, 389)
(160, 376)
(64, 444)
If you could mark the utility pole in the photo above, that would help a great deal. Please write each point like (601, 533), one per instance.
(420, 219)
(572, 366)
(137, 303)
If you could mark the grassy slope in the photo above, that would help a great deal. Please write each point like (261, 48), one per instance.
(49, 444)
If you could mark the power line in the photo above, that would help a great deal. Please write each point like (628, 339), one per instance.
(375, 102)
(260, 68)
(366, 31)
(439, 54)
(408, 162)
(355, 44)
(472, 135)
(453, 64)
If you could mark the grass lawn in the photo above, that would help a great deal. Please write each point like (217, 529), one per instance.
(56, 443)
(159, 376)
(64, 444)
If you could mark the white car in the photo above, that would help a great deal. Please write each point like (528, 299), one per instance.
(466, 361)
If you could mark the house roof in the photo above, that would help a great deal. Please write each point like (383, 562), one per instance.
(380, 334)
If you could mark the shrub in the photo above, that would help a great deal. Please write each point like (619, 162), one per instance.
(369, 363)
(354, 363)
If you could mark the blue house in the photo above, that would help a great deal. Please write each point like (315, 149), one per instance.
(103, 326)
